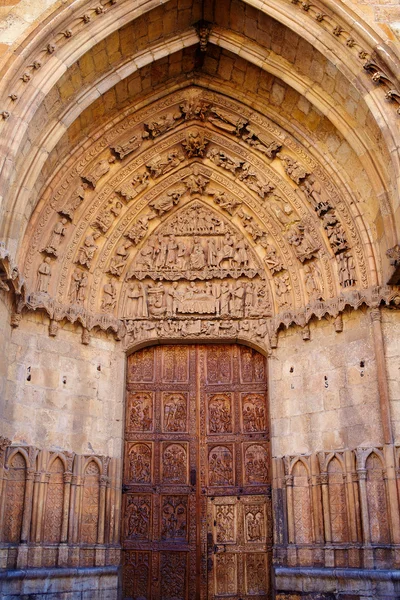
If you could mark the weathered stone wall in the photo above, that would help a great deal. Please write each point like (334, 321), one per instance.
(321, 396)
(62, 394)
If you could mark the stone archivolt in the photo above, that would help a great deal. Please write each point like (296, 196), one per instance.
(195, 188)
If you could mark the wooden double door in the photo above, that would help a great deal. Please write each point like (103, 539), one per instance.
(197, 495)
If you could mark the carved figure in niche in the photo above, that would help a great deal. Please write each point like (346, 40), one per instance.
(136, 302)
(125, 147)
(237, 299)
(225, 523)
(44, 274)
(155, 295)
(223, 160)
(98, 171)
(56, 238)
(226, 202)
(335, 232)
(256, 139)
(106, 216)
(162, 124)
(220, 466)
(254, 413)
(140, 463)
(226, 121)
(175, 413)
(194, 109)
(76, 198)
(282, 290)
(226, 584)
(160, 166)
(347, 269)
(294, 169)
(140, 412)
(261, 329)
(316, 195)
(282, 214)
(174, 518)
(137, 517)
(109, 296)
(225, 298)
(196, 183)
(118, 262)
(174, 464)
(271, 259)
(256, 464)
(87, 251)
(166, 203)
(253, 182)
(256, 574)
(139, 229)
(240, 257)
(197, 255)
(303, 244)
(250, 225)
(78, 286)
(219, 414)
(313, 282)
(195, 144)
(133, 188)
(254, 520)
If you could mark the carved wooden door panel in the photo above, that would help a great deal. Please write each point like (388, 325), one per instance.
(196, 471)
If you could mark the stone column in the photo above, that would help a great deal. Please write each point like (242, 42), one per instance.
(362, 484)
(391, 487)
(290, 514)
(102, 509)
(323, 480)
(383, 389)
(66, 505)
(27, 512)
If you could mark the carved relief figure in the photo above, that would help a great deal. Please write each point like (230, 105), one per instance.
(335, 232)
(140, 411)
(160, 166)
(174, 464)
(44, 274)
(175, 412)
(228, 203)
(139, 229)
(136, 186)
(125, 147)
(56, 238)
(347, 269)
(223, 160)
(120, 259)
(294, 169)
(254, 522)
(316, 195)
(162, 124)
(109, 296)
(313, 282)
(254, 413)
(195, 144)
(165, 203)
(106, 216)
(77, 197)
(90, 503)
(225, 523)
(219, 414)
(256, 464)
(174, 518)
(196, 183)
(140, 463)
(136, 301)
(282, 290)
(304, 245)
(251, 179)
(137, 517)
(98, 171)
(78, 287)
(87, 251)
(220, 466)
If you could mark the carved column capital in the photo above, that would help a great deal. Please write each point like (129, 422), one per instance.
(362, 474)
(31, 474)
(67, 477)
(289, 480)
(323, 479)
(375, 314)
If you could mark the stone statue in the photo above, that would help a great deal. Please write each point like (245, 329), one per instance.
(98, 171)
(87, 251)
(56, 238)
(136, 302)
(44, 274)
(109, 296)
(195, 143)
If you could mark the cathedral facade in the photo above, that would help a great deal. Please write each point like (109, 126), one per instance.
(199, 294)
